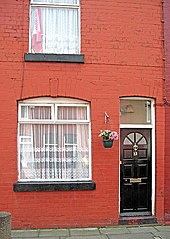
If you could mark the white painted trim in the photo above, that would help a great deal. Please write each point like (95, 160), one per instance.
(18, 152)
(136, 126)
(135, 98)
(30, 38)
(53, 180)
(51, 4)
(90, 153)
(79, 26)
(153, 156)
(32, 120)
(53, 122)
(144, 126)
(56, 100)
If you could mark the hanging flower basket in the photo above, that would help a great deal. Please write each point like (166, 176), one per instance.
(108, 137)
(107, 143)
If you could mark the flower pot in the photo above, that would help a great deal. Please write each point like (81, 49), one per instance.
(107, 143)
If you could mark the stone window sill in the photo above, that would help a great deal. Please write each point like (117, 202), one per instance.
(53, 186)
(40, 57)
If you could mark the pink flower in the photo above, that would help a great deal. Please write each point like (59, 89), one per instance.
(108, 134)
(113, 135)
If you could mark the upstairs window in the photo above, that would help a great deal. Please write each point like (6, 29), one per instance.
(54, 141)
(55, 26)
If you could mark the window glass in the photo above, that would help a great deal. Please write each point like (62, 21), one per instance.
(36, 112)
(54, 29)
(72, 113)
(135, 111)
(54, 151)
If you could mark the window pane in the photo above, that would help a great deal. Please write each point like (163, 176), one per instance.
(135, 111)
(54, 30)
(72, 113)
(58, 152)
(24, 112)
(56, 1)
(39, 112)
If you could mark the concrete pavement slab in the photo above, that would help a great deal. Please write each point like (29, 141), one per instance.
(142, 229)
(86, 237)
(119, 232)
(37, 237)
(114, 230)
(132, 236)
(162, 235)
(84, 231)
(53, 232)
(162, 228)
(24, 233)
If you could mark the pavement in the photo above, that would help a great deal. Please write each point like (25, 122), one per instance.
(116, 232)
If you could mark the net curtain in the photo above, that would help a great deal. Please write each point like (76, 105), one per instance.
(54, 151)
(55, 29)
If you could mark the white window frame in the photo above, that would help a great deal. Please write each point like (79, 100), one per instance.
(55, 5)
(54, 104)
(34, 120)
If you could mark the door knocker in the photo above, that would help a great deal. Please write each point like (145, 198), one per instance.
(135, 148)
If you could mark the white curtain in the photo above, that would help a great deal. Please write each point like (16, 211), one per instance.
(54, 151)
(55, 30)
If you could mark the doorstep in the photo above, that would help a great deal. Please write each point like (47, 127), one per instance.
(137, 220)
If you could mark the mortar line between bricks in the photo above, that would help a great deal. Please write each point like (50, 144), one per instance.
(151, 66)
(102, 64)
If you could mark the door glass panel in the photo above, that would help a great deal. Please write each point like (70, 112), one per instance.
(135, 111)
(138, 136)
(142, 153)
(131, 137)
(127, 154)
(127, 141)
(142, 141)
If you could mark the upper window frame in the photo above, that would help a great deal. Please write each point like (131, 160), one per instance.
(54, 117)
(55, 5)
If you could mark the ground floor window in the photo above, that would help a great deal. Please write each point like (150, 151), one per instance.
(54, 140)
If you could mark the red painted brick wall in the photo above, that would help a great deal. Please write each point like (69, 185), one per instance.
(122, 43)
(167, 85)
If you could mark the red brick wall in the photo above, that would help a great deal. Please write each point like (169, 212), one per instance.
(122, 43)
(167, 85)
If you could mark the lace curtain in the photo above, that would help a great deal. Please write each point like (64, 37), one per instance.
(55, 29)
(50, 151)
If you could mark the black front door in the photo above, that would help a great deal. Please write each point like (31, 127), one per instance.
(135, 171)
